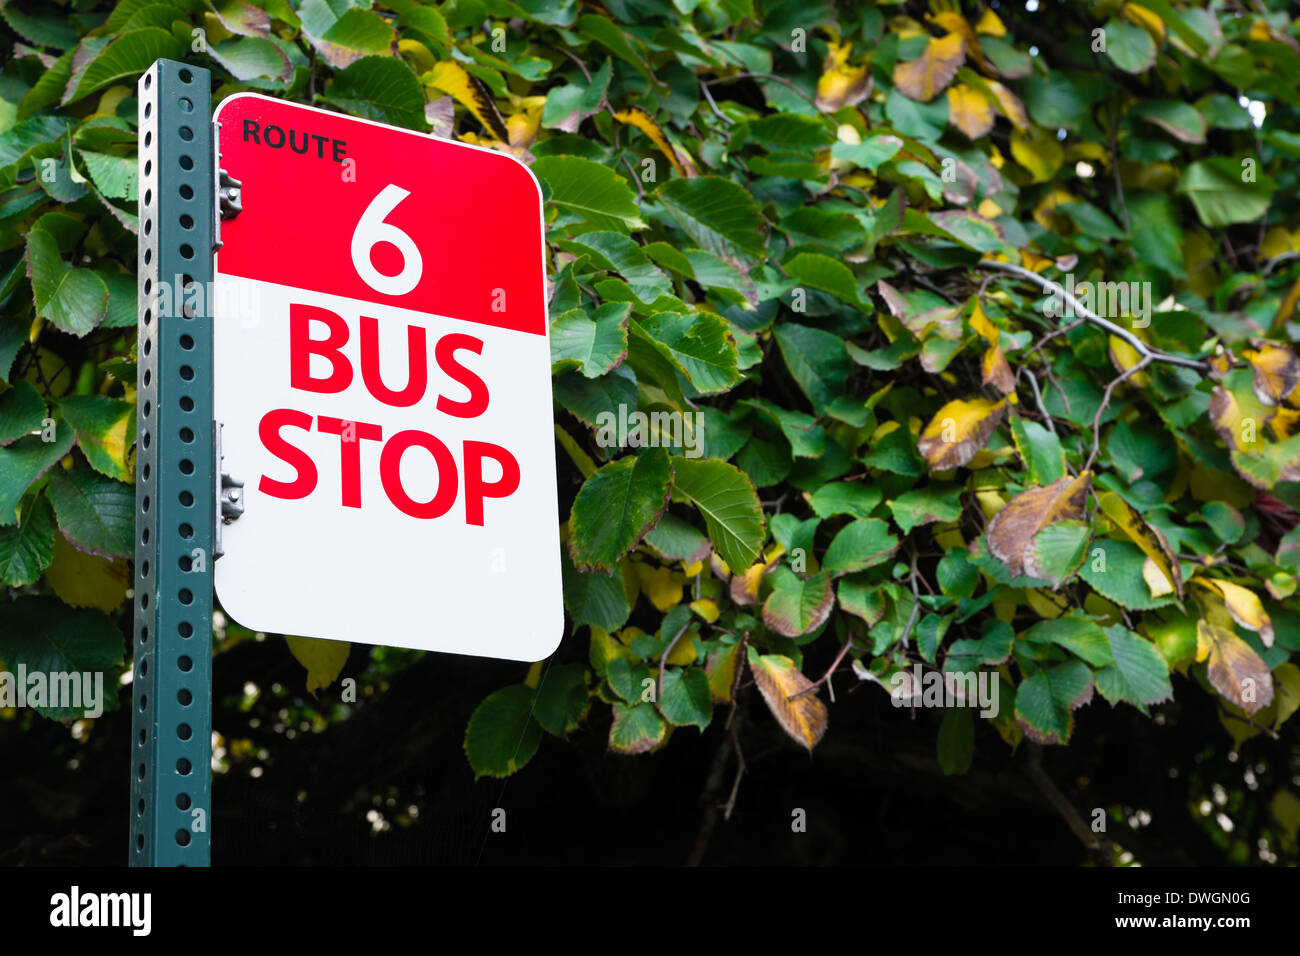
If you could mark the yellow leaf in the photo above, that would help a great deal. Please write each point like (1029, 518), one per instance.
(1147, 537)
(87, 580)
(996, 371)
(1010, 105)
(324, 660)
(706, 608)
(1038, 151)
(805, 717)
(643, 121)
(472, 93)
(418, 54)
(1155, 578)
(1124, 356)
(1234, 669)
(721, 670)
(1276, 241)
(969, 110)
(840, 84)
(956, 25)
(983, 326)
(929, 74)
(1277, 372)
(990, 25)
(958, 431)
(534, 675)
(1147, 20)
(661, 585)
(1012, 529)
(1244, 607)
(1240, 426)
(988, 209)
(523, 124)
(1200, 258)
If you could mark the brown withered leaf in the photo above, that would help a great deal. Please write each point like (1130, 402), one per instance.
(997, 371)
(958, 431)
(1235, 670)
(930, 73)
(1013, 528)
(804, 718)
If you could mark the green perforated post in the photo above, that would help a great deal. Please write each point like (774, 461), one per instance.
(171, 778)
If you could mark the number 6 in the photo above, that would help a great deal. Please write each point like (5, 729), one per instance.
(372, 230)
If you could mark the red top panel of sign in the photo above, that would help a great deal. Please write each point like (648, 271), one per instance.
(310, 175)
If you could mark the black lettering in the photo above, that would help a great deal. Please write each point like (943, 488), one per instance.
(305, 142)
(250, 131)
(279, 133)
(338, 150)
(320, 144)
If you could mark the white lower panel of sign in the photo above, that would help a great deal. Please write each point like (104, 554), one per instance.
(366, 517)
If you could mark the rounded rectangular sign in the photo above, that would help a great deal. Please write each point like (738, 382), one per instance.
(382, 380)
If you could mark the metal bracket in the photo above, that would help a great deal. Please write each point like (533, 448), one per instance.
(229, 494)
(226, 190)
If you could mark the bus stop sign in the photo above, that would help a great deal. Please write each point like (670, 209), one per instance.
(382, 387)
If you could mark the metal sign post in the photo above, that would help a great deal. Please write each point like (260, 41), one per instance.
(171, 777)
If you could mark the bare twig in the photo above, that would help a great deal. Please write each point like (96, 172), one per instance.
(714, 106)
(1034, 768)
(1105, 404)
(663, 659)
(1038, 398)
(826, 678)
(1050, 287)
(761, 76)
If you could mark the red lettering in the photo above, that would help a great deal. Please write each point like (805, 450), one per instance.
(390, 474)
(418, 377)
(302, 347)
(305, 469)
(476, 489)
(445, 354)
(351, 435)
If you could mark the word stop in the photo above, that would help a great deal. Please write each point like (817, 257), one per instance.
(423, 502)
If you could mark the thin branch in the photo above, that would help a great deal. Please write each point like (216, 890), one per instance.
(1034, 768)
(1038, 398)
(714, 106)
(663, 659)
(825, 678)
(1050, 287)
(1105, 404)
(761, 76)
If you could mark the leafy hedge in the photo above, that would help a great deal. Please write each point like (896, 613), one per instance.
(817, 249)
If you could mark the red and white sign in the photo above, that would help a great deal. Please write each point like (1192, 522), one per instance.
(382, 374)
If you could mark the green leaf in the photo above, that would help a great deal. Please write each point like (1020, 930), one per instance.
(797, 605)
(1217, 189)
(856, 498)
(248, 58)
(502, 735)
(593, 192)
(597, 599)
(1041, 451)
(817, 360)
(956, 746)
(1056, 550)
(114, 176)
(729, 504)
(1077, 634)
(95, 513)
(21, 412)
(1113, 568)
(22, 462)
(636, 730)
(1129, 47)
(822, 272)
(700, 344)
(686, 698)
(44, 635)
(1180, 120)
(562, 699)
(594, 343)
(124, 58)
(27, 547)
(926, 505)
(105, 430)
(617, 253)
(1139, 673)
(382, 89)
(1045, 702)
(677, 540)
(859, 545)
(616, 506)
(582, 99)
(719, 216)
(74, 300)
